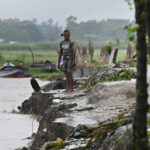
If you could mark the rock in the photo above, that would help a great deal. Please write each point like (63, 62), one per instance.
(112, 92)
(37, 103)
(83, 72)
(24, 148)
(79, 132)
(58, 84)
(49, 131)
(120, 139)
(61, 84)
(49, 66)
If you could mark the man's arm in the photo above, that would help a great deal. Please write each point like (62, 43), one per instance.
(60, 55)
(73, 57)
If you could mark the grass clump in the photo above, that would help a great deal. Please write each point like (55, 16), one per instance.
(96, 63)
(132, 64)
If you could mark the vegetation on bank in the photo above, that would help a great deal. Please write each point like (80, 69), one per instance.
(104, 74)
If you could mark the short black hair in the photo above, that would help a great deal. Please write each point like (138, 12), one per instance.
(65, 32)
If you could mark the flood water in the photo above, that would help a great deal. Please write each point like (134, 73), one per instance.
(15, 128)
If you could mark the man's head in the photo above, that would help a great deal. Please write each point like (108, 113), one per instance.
(66, 35)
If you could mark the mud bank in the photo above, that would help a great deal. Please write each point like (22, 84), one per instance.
(65, 115)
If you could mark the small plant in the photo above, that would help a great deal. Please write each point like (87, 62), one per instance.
(109, 47)
(131, 32)
(96, 63)
(132, 64)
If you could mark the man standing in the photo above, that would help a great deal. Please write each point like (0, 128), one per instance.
(66, 60)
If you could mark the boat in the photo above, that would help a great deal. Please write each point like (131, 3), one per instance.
(9, 70)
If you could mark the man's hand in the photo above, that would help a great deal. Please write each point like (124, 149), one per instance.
(58, 65)
(74, 64)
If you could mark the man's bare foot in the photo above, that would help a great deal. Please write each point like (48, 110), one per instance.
(70, 90)
(66, 90)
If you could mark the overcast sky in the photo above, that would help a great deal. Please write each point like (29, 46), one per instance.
(59, 10)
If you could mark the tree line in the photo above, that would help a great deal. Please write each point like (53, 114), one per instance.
(32, 31)
(28, 31)
(94, 30)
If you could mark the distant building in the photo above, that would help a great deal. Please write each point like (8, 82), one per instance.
(1, 40)
(13, 42)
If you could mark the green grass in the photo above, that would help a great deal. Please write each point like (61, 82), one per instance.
(39, 73)
(121, 55)
(25, 56)
(42, 55)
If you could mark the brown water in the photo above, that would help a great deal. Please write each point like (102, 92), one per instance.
(15, 128)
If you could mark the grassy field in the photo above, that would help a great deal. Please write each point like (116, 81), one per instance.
(25, 56)
(41, 55)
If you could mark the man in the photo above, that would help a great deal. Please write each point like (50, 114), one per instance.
(66, 60)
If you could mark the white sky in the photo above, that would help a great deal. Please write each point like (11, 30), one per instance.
(59, 10)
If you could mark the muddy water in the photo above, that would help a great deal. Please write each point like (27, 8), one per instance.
(15, 128)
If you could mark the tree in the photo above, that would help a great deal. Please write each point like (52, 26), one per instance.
(148, 23)
(140, 118)
(71, 20)
(50, 30)
(93, 30)
(91, 50)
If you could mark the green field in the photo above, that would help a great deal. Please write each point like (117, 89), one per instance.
(42, 55)
(25, 56)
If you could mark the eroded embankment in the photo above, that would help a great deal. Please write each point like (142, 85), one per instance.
(62, 112)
